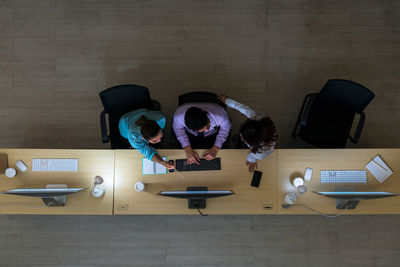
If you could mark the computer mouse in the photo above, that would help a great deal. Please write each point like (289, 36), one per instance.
(308, 174)
(171, 162)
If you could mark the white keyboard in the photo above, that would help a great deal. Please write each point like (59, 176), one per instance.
(343, 176)
(55, 165)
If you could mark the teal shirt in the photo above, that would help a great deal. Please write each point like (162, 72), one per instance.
(129, 130)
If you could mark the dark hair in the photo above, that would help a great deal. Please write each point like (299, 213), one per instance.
(196, 118)
(148, 128)
(259, 133)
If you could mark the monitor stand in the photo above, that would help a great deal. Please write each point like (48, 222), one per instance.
(197, 203)
(342, 204)
(55, 201)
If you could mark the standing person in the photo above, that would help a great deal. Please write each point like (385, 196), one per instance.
(143, 127)
(258, 132)
(201, 125)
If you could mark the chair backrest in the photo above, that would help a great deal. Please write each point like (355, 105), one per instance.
(350, 94)
(198, 97)
(125, 97)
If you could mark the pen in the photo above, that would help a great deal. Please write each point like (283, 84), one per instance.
(179, 173)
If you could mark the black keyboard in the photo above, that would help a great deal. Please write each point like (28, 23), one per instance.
(205, 165)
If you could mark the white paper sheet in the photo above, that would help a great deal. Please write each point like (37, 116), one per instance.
(151, 167)
(379, 169)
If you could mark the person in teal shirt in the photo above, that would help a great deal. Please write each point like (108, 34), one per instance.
(143, 127)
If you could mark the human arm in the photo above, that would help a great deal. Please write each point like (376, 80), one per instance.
(211, 153)
(252, 157)
(178, 126)
(224, 123)
(149, 152)
(245, 110)
(191, 155)
(158, 159)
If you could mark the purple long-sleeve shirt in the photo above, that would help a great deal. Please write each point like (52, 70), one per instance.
(217, 116)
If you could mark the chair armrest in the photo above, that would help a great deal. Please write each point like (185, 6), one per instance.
(104, 134)
(306, 108)
(304, 113)
(359, 128)
(156, 104)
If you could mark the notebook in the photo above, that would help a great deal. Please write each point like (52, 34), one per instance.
(379, 169)
(151, 167)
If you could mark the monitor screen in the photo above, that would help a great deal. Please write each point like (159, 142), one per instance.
(355, 194)
(39, 192)
(196, 194)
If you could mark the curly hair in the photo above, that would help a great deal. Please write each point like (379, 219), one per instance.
(259, 134)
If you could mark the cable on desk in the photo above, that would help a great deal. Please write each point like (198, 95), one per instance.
(286, 206)
(202, 214)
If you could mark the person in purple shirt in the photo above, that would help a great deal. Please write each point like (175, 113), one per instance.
(201, 125)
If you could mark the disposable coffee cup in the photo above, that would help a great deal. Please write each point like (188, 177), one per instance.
(301, 189)
(139, 186)
(298, 181)
(290, 198)
(11, 172)
(98, 191)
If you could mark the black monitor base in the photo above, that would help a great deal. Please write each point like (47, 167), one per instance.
(342, 204)
(194, 203)
(58, 201)
(346, 204)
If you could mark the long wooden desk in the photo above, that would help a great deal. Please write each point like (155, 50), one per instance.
(234, 176)
(121, 169)
(293, 162)
(91, 163)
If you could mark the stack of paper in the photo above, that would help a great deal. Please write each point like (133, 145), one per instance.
(151, 167)
(379, 169)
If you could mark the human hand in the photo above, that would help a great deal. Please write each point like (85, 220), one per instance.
(169, 166)
(252, 166)
(222, 97)
(211, 153)
(191, 155)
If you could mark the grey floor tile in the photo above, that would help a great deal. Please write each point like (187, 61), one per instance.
(48, 255)
(132, 256)
(214, 222)
(122, 223)
(296, 257)
(239, 238)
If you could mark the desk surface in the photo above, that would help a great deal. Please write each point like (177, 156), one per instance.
(121, 198)
(234, 176)
(292, 163)
(91, 163)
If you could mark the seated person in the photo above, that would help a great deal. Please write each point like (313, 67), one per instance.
(143, 127)
(201, 125)
(258, 132)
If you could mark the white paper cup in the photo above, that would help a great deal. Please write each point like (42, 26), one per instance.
(298, 181)
(97, 191)
(290, 198)
(11, 172)
(139, 186)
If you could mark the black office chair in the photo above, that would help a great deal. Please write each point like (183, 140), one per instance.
(198, 97)
(117, 101)
(326, 117)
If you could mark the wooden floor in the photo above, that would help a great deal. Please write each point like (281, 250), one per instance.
(194, 241)
(57, 55)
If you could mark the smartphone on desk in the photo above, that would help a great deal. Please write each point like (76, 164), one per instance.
(256, 178)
